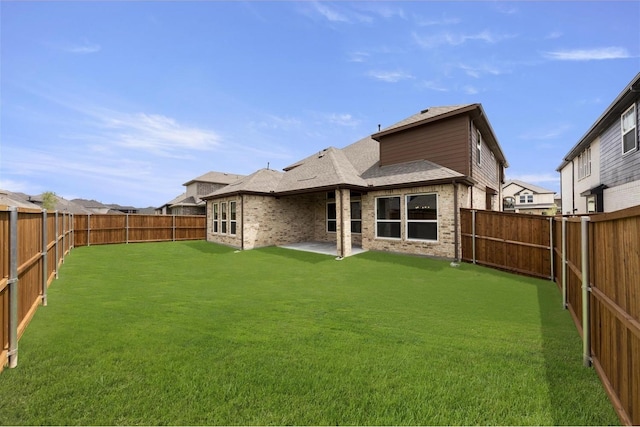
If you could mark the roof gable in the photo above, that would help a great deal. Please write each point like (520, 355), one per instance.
(216, 178)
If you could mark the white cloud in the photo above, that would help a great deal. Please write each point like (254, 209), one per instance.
(588, 54)
(426, 22)
(470, 90)
(554, 35)
(456, 39)
(433, 85)
(155, 133)
(343, 119)
(330, 14)
(479, 70)
(82, 48)
(390, 76)
(358, 56)
(275, 122)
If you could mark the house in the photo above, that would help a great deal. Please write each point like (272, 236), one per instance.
(522, 197)
(190, 202)
(601, 173)
(18, 200)
(398, 190)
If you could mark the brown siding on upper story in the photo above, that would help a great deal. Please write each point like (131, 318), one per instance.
(487, 173)
(445, 143)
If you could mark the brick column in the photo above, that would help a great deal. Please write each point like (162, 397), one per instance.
(343, 231)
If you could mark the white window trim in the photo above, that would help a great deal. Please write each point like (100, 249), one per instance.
(407, 220)
(223, 218)
(479, 148)
(635, 130)
(388, 220)
(216, 218)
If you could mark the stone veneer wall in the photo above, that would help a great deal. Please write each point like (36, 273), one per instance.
(444, 247)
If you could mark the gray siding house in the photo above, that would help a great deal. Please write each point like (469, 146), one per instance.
(398, 190)
(601, 173)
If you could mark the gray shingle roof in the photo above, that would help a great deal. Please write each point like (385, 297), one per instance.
(534, 188)
(427, 115)
(261, 181)
(216, 178)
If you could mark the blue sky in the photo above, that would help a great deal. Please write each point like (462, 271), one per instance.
(123, 102)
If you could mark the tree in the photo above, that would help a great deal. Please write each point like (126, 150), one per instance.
(49, 200)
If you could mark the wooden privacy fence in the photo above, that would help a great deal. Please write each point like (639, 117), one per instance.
(108, 229)
(34, 244)
(595, 264)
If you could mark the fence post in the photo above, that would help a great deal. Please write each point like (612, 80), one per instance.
(586, 339)
(552, 259)
(126, 226)
(13, 287)
(174, 227)
(45, 270)
(57, 261)
(473, 236)
(88, 229)
(564, 263)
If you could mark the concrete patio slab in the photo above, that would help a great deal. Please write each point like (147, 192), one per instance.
(325, 248)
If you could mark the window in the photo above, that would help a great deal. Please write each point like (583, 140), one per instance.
(526, 198)
(584, 163)
(478, 147)
(422, 217)
(223, 215)
(388, 217)
(232, 217)
(591, 204)
(628, 127)
(332, 223)
(215, 218)
(356, 216)
(509, 203)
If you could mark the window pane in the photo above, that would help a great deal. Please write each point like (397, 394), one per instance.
(423, 230)
(356, 212)
(388, 229)
(388, 208)
(223, 209)
(530, 198)
(356, 226)
(331, 211)
(224, 227)
(233, 227)
(423, 207)
(332, 225)
(628, 120)
(232, 211)
(629, 141)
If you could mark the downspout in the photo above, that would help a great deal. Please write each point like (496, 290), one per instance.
(455, 220)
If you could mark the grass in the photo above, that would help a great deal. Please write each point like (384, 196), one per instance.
(193, 333)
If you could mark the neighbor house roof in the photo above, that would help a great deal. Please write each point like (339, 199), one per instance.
(216, 177)
(525, 185)
(261, 181)
(7, 198)
(610, 115)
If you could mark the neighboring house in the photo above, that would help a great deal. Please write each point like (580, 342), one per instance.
(17, 200)
(93, 206)
(522, 197)
(601, 173)
(397, 190)
(190, 202)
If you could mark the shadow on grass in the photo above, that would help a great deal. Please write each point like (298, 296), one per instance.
(577, 397)
(208, 247)
(292, 254)
(412, 261)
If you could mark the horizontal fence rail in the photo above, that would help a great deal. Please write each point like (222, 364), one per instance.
(34, 243)
(595, 262)
(109, 229)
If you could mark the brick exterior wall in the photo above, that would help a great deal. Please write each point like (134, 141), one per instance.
(444, 247)
(270, 221)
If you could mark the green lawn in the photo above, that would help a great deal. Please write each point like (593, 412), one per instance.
(195, 333)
